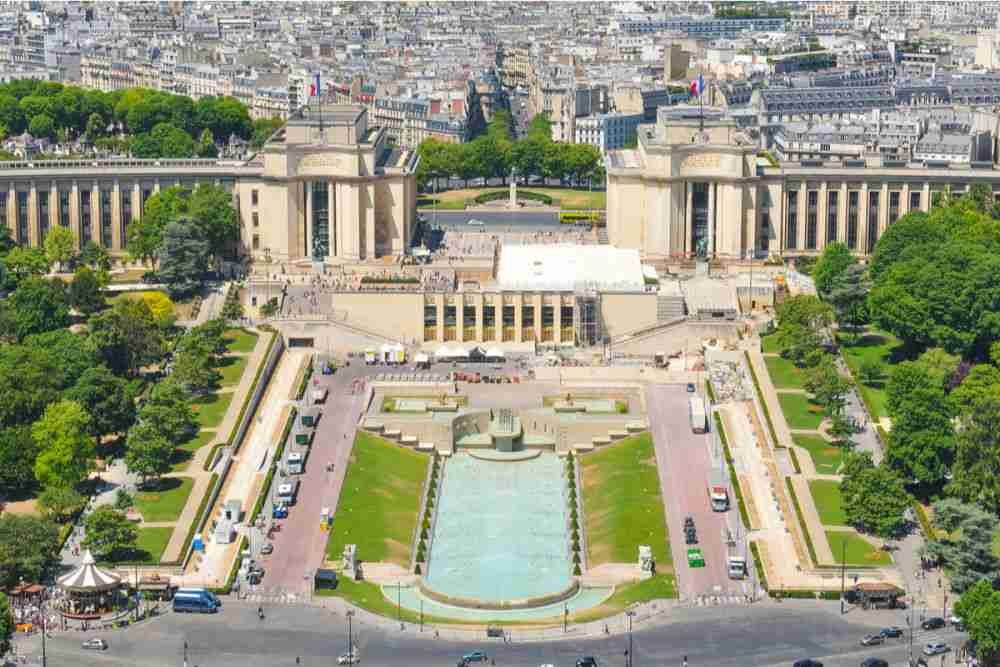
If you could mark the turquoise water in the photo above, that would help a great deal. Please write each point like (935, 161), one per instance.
(410, 598)
(501, 531)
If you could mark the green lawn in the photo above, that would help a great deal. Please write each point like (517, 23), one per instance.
(826, 497)
(149, 547)
(659, 587)
(210, 409)
(232, 370)
(800, 412)
(879, 346)
(166, 501)
(784, 374)
(379, 502)
(568, 199)
(826, 456)
(184, 453)
(858, 551)
(622, 504)
(769, 344)
(240, 340)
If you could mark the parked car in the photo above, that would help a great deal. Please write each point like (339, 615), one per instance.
(872, 640)
(957, 623)
(892, 631)
(874, 662)
(690, 536)
(690, 387)
(351, 658)
(475, 656)
(267, 549)
(586, 661)
(807, 662)
(936, 648)
(95, 643)
(933, 623)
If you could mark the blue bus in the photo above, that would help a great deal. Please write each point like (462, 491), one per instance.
(196, 600)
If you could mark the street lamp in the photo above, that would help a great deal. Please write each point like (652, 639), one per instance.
(628, 654)
(350, 640)
(185, 653)
(565, 617)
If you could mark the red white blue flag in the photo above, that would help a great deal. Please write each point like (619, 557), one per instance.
(314, 87)
(698, 85)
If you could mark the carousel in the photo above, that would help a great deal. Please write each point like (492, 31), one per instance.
(89, 592)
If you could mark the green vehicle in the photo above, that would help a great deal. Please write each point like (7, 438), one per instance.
(695, 558)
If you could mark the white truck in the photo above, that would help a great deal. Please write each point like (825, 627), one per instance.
(696, 411)
(737, 567)
(719, 495)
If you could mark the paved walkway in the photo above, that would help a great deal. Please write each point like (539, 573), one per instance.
(196, 467)
(810, 516)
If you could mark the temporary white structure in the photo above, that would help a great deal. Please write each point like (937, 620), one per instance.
(443, 352)
(494, 353)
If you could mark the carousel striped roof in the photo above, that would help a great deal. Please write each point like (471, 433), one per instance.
(89, 577)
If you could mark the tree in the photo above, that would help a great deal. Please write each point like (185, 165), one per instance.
(84, 292)
(17, 461)
(966, 549)
(61, 502)
(827, 386)
(168, 407)
(60, 246)
(871, 371)
(841, 429)
(66, 451)
(232, 309)
(107, 398)
(29, 547)
(977, 454)
(29, 380)
(874, 499)
(71, 353)
(848, 294)
(921, 443)
(194, 367)
(36, 306)
(939, 364)
(126, 336)
(96, 257)
(42, 126)
(6, 624)
(24, 262)
(11, 115)
(540, 127)
(983, 380)
(211, 208)
(206, 145)
(263, 128)
(109, 531)
(148, 452)
(973, 599)
(95, 127)
(183, 256)
(161, 307)
(984, 630)
(270, 308)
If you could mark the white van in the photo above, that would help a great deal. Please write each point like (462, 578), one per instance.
(295, 463)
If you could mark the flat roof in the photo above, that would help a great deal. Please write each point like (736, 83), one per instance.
(568, 267)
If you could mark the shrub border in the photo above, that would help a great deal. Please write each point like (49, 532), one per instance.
(758, 564)
(795, 460)
(249, 395)
(763, 404)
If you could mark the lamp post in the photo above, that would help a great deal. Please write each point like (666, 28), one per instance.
(628, 654)
(843, 574)
(565, 617)
(399, 606)
(185, 653)
(350, 640)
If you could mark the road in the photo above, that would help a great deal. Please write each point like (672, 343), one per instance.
(300, 545)
(736, 636)
(521, 219)
(685, 462)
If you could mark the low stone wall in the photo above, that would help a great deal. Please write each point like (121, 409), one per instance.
(526, 603)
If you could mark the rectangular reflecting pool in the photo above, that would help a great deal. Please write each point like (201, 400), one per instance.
(501, 530)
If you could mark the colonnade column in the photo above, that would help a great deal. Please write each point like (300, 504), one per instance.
(479, 316)
(925, 198)
(116, 217)
(557, 321)
(800, 215)
(688, 218)
(369, 213)
(862, 240)
(711, 221)
(822, 221)
(15, 229)
(439, 307)
(883, 211)
(331, 221)
(518, 318)
(904, 203)
(74, 214)
(95, 213)
(537, 299)
(307, 235)
(842, 205)
(34, 228)
(460, 317)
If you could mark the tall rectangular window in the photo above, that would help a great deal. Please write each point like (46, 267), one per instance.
(105, 204)
(42, 197)
(86, 222)
(64, 208)
(320, 221)
(853, 199)
(792, 220)
(125, 206)
(765, 229)
(22, 217)
(527, 316)
(253, 197)
(3, 209)
(256, 242)
(812, 200)
(256, 219)
(489, 316)
(430, 315)
(872, 236)
(915, 200)
(832, 198)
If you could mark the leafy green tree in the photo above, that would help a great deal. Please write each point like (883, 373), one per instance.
(29, 380)
(148, 452)
(983, 380)
(803, 322)
(6, 624)
(977, 454)
(966, 549)
(109, 399)
(184, 256)
(66, 451)
(95, 127)
(871, 371)
(921, 443)
(17, 461)
(29, 547)
(60, 246)
(11, 115)
(270, 309)
(984, 630)
(42, 126)
(939, 364)
(263, 128)
(874, 499)
(973, 599)
(828, 387)
(168, 407)
(36, 306)
(96, 257)
(848, 294)
(126, 336)
(841, 429)
(61, 502)
(108, 532)
(206, 145)
(71, 353)
(145, 236)
(232, 309)
(24, 262)
(84, 292)
(211, 208)
(540, 127)
(194, 368)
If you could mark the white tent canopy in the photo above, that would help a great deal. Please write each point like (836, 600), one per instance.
(421, 358)
(494, 353)
(88, 577)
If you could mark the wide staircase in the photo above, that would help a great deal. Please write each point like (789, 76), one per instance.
(669, 307)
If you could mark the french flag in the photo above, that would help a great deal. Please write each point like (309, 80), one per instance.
(314, 87)
(698, 86)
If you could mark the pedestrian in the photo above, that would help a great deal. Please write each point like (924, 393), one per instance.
(260, 613)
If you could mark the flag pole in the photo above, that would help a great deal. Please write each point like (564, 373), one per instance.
(701, 104)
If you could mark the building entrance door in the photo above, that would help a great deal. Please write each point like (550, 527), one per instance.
(699, 219)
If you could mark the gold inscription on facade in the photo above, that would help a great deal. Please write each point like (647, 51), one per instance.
(701, 161)
(312, 163)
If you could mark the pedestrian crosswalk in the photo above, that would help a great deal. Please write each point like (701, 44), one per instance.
(276, 597)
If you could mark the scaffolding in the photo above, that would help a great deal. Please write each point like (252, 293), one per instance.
(587, 317)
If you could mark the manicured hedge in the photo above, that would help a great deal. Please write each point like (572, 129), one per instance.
(795, 461)
(504, 194)
(246, 399)
(734, 481)
(763, 404)
(759, 565)
(802, 521)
